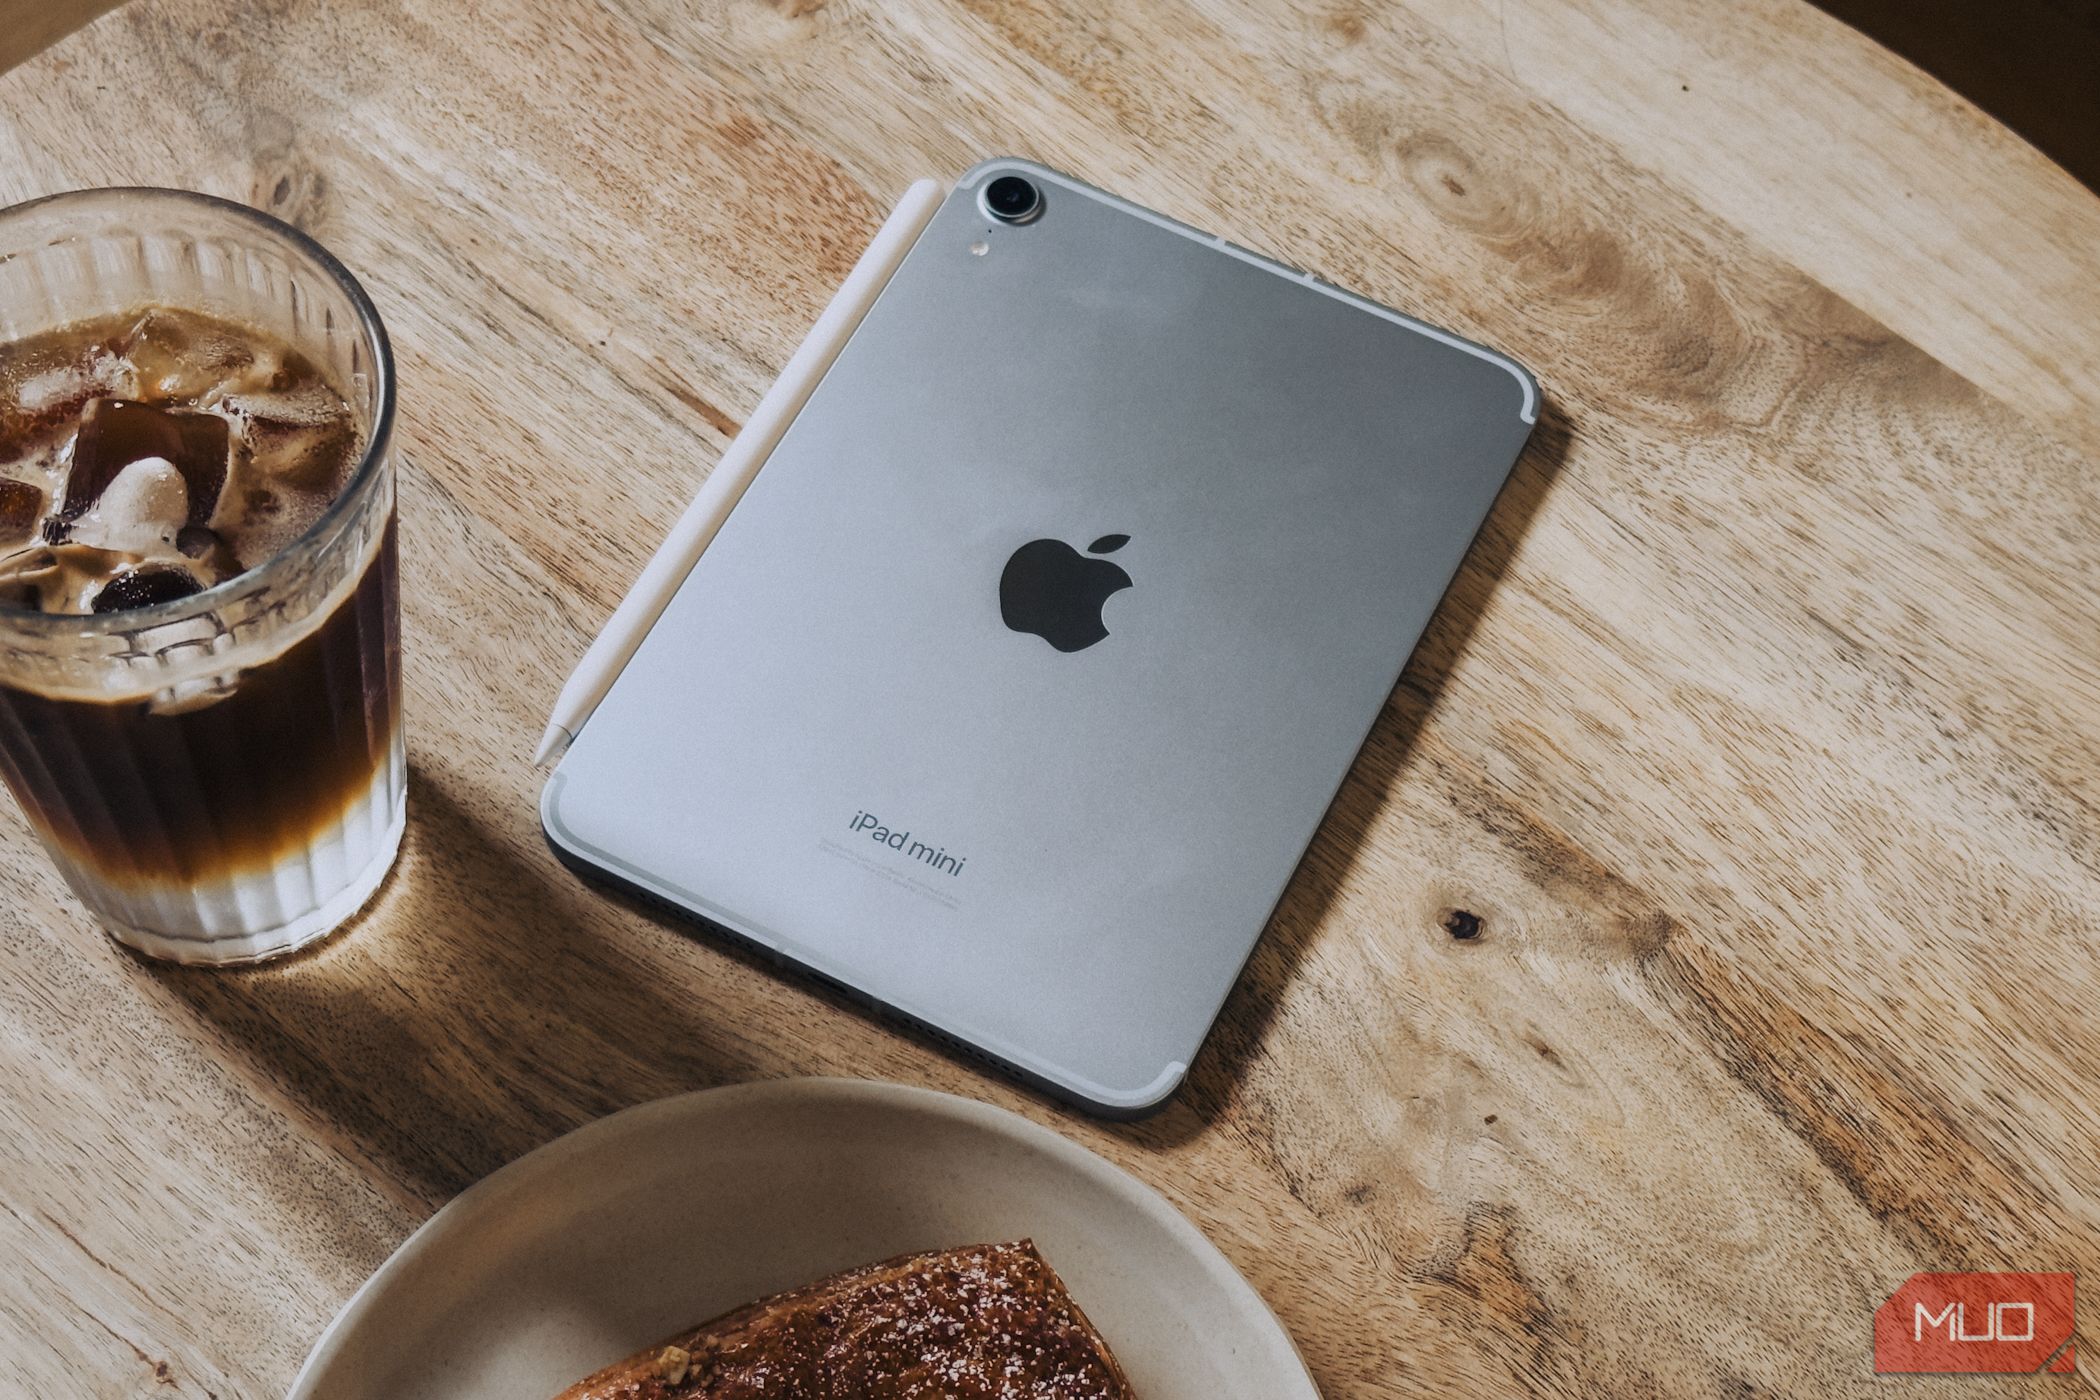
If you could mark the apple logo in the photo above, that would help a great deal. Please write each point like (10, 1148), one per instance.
(1055, 592)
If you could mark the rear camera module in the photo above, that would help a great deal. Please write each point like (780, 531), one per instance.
(1012, 199)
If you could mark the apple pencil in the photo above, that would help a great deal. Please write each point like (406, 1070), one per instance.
(718, 495)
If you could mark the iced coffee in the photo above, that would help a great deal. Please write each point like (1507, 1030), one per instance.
(200, 692)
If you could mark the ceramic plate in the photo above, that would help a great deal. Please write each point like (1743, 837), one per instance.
(642, 1224)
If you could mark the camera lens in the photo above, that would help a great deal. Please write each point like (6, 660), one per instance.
(1013, 200)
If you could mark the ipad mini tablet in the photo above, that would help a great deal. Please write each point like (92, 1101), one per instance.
(1016, 684)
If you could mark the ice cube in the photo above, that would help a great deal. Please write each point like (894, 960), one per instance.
(56, 388)
(144, 586)
(45, 386)
(302, 436)
(20, 506)
(140, 512)
(114, 433)
(183, 359)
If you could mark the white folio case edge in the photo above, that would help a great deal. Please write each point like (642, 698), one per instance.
(667, 568)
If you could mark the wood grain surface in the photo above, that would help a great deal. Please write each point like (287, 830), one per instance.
(1758, 743)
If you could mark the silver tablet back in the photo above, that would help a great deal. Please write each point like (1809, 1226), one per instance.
(1014, 688)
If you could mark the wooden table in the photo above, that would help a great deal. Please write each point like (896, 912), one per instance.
(1760, 735)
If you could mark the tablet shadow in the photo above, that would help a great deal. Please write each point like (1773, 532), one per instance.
(1243, 1026)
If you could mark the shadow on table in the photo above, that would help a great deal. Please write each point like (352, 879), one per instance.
(1300, 917)
(486, 1003)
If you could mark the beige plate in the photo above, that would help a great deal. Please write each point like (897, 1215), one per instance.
(644, 1223)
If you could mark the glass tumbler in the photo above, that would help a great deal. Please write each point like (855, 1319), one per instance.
(220, 778)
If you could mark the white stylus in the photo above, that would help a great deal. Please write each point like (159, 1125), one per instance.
(718, 495)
